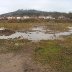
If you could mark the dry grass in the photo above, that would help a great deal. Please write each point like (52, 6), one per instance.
(50, 55)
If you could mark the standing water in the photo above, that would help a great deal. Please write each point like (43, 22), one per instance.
(37, 33)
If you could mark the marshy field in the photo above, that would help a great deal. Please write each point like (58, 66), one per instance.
(35, 46)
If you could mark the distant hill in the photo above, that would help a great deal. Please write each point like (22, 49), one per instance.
(22, 12)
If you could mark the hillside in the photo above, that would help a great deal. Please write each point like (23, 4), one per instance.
(22, 12)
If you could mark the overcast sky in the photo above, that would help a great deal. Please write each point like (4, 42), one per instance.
(44, 5)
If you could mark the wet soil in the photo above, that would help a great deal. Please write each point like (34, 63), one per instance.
(22, 62)
(6, 32)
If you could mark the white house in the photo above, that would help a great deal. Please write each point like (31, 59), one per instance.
(49, 17)
(46, 17)
(9, 18)
(13, 17)
(26, 17)
(41, 17)
(61, 17)
(18, 18)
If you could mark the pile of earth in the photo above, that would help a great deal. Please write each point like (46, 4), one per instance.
(6, 32)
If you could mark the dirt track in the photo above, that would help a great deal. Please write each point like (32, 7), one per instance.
(22, 62)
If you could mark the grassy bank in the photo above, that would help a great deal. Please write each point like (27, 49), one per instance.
(52, 25)
(54, 53)
(57, 54)
(14, 46)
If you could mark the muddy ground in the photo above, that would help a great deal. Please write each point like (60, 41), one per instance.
(21, 62)
(6, 32)
(51, 56)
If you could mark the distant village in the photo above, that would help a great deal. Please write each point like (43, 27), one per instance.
(33, 17)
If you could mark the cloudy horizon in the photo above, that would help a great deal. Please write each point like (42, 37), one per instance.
(43, 5)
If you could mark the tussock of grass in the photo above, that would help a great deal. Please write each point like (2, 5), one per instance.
(15, 45)
(55, 54)
(55, 25)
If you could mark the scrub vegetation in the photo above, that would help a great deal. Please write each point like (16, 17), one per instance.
(22, 55)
